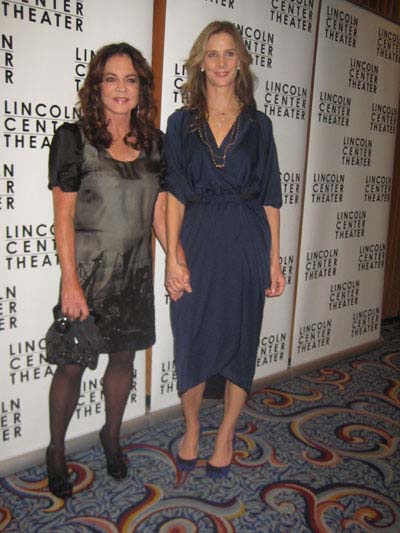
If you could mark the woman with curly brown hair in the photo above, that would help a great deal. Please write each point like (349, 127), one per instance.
(106, 174)
(223, 203)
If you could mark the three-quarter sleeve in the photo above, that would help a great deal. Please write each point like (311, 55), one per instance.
(65, 160)
(176, 177)
(271, 193)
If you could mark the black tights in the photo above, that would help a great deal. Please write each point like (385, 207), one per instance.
(64, 396)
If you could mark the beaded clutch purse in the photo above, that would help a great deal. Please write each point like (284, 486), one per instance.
(73, 341)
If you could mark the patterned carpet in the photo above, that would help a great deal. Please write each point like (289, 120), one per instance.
(316, 453)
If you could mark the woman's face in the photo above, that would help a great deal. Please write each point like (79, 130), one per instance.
(120, 86)
(221, 60)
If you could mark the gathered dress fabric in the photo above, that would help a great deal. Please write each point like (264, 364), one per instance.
(113, 221)
(226, 238)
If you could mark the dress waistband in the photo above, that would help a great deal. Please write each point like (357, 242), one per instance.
(221, 197)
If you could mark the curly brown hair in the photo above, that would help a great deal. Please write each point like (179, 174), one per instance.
(93, 121)
(194, 91)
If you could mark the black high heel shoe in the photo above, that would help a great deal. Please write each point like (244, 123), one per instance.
(116, 465)
(58, 483)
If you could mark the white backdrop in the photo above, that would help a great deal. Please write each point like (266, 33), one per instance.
(349, 180)
(44, 57)
(276, 40)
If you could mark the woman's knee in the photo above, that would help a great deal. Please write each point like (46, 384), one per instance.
(124, 359)
(73, 372)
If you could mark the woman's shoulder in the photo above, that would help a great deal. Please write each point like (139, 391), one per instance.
(68, 128)
(180, 113)
(180, 117)
(68, 133)
(263, 119)
(264, 123)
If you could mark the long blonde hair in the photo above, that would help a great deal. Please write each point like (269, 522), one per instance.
(194, 90)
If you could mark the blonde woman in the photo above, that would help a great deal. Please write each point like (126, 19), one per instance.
(223, 204)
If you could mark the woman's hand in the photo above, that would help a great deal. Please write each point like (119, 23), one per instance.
(278, 281)
(73, 301)
(177, 280)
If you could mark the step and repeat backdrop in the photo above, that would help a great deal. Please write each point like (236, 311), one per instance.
(280, 37)
(348, 183)
(45, 49)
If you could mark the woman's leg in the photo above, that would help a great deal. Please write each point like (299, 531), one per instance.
(235, 398)
(191, 403)
(117, 383)
(63, 397)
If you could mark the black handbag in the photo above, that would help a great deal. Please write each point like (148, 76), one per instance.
(73, 341)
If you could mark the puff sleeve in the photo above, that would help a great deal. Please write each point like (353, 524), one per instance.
(271, 193)
(65, 160)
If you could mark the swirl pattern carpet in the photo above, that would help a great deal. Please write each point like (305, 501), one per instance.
(315, 453)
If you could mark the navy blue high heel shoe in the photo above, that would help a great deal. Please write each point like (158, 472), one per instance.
(217, 473)
(186, 465)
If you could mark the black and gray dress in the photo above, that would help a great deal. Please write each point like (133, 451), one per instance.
(113, 220)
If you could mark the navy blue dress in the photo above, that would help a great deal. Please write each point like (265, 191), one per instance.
(226, 239)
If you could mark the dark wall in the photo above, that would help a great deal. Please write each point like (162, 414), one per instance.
(387, 8)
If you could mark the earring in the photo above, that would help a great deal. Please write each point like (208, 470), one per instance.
(238, 67)
(137, 109)
(202, 69)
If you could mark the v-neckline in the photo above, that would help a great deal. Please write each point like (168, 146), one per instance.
(226, 136)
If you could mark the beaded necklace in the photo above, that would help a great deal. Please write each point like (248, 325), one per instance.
(219, 160)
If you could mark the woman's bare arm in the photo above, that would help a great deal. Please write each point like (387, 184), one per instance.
(277, 278)
(73, 301)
